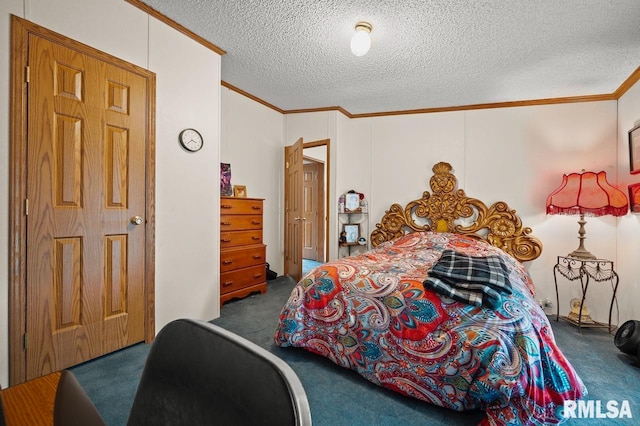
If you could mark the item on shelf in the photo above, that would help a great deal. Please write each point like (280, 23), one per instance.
(352, 202)
(352, 231)
(343, 238)
(574, 314)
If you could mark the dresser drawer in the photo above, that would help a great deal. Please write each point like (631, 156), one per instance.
(240, 238)
(242, 257)
(240, 206)
(240, 278)
(230, 222)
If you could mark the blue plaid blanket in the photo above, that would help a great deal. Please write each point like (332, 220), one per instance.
(469, 279)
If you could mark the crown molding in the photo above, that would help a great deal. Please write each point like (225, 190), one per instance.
(511, 104)
(628, 83)
(250, 96)
(547, 101)
(173, 24)
(621, 90)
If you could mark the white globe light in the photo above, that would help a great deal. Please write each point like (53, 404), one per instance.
(361, 42)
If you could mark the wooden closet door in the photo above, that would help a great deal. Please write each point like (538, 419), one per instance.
(86, 180)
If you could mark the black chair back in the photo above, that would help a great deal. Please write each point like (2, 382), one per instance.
(197, 373)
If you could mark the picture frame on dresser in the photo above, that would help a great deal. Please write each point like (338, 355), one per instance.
(634, 150)
(240, 191)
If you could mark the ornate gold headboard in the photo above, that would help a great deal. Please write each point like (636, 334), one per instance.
(498, 225)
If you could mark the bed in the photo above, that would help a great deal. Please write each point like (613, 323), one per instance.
(376, 314)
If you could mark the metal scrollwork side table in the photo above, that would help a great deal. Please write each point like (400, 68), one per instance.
(599, 270)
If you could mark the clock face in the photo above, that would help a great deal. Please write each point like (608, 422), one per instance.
(191, 140)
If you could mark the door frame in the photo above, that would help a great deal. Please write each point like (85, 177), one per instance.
(21, 29)
(327, 190)
(313, 144)
(322, 208)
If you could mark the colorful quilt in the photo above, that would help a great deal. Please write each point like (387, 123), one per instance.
(371, 313)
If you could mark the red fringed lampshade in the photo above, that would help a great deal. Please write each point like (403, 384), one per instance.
(586, 194)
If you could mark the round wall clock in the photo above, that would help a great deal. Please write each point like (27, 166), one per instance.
(191, 140)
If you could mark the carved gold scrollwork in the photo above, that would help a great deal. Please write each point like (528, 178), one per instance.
(446, 207)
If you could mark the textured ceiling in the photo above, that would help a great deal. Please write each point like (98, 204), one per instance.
(424, 53)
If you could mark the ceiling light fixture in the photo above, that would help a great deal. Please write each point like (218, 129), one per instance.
(361, 42)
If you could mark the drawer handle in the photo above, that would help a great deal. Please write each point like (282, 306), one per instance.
(225, 223)
(225, 206)
(257, 256)
(227, 284)
(257, 275)
(225, 240)
(255, 222)
(227, 262)
(255, 238)
(255, 207)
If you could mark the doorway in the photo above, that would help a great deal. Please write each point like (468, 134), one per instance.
(306, 204)
(82, 224)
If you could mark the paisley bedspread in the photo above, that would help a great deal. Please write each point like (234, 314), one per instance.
(371, 313)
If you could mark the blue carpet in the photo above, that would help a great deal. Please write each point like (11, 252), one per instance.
(341, 397)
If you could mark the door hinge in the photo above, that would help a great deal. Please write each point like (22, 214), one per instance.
(286, 165)
(27, 73)
(26, 207)
(25, 341)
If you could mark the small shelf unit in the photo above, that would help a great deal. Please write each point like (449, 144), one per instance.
(353, 224)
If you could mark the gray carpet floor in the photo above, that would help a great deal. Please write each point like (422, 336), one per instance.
(341, 397)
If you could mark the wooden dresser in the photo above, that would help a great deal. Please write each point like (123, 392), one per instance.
(243, 267)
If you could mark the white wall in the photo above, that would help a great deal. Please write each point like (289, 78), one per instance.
(629, 226)
(187, 184)
(405, 148)
(252, 142)
(187, 255)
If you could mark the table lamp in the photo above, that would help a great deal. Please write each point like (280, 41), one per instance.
(586, 194)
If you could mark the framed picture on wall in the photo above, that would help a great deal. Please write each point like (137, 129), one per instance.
(634, 150)
(634, 197)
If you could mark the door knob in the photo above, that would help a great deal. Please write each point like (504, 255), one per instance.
(137, 220)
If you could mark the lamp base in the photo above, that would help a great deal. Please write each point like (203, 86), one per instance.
(582, 254)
